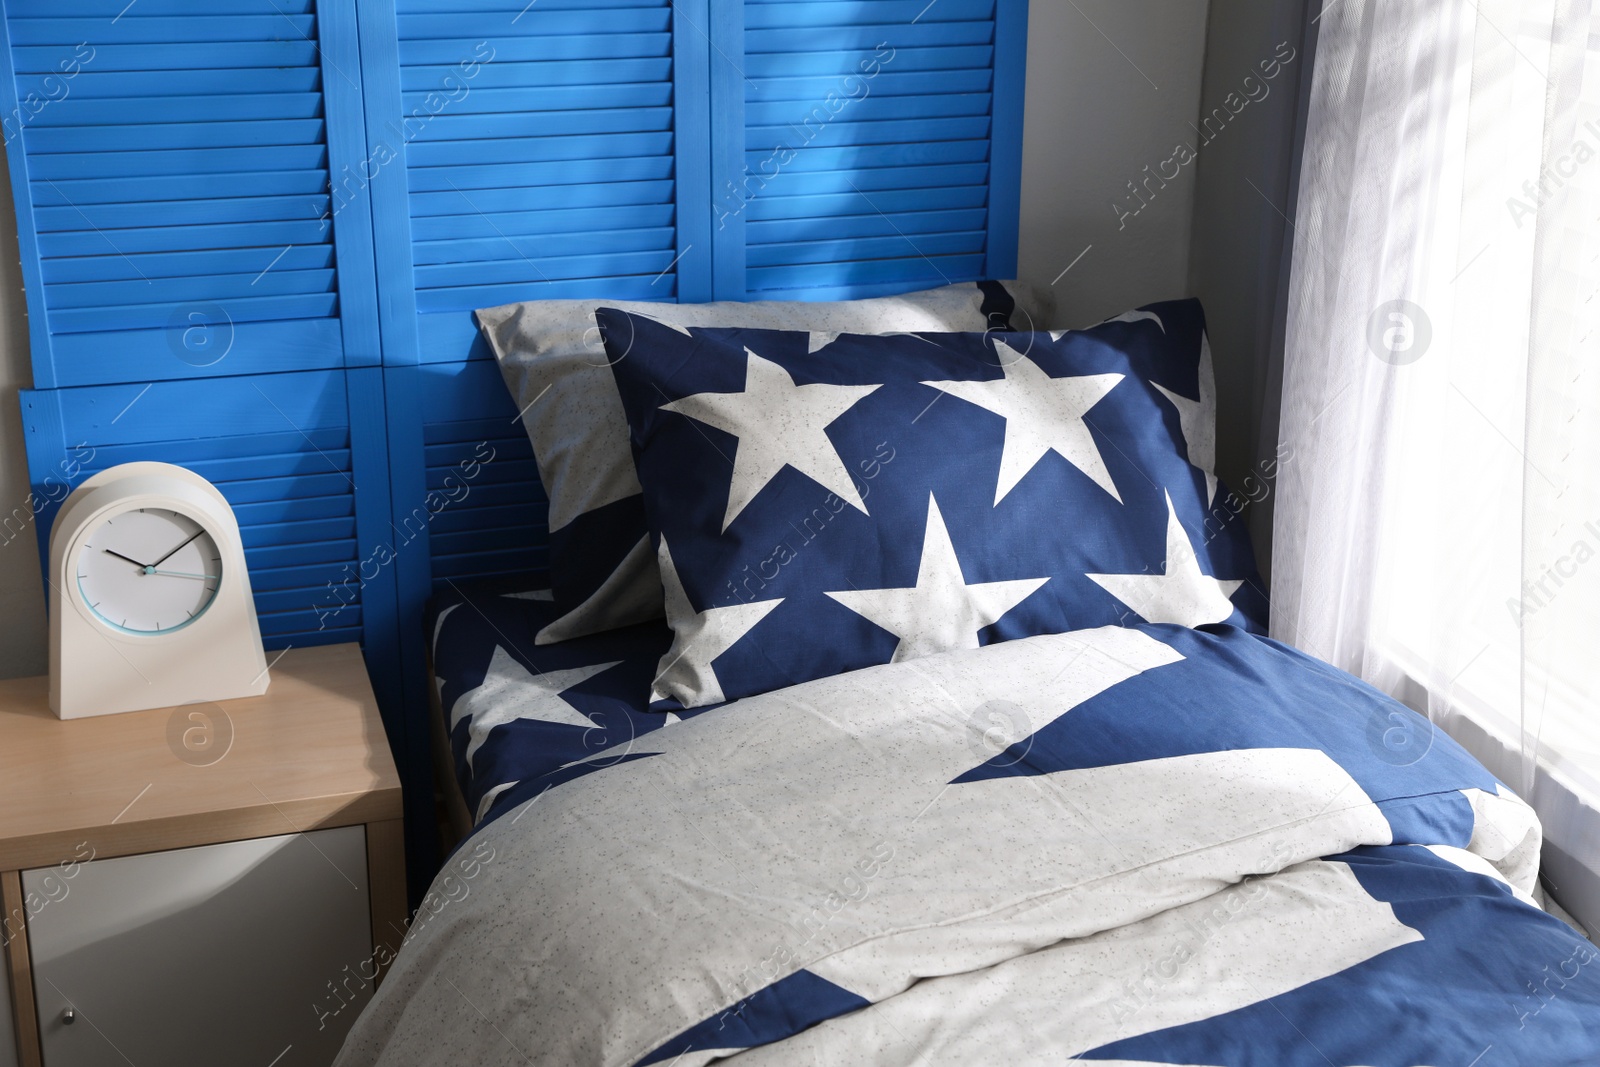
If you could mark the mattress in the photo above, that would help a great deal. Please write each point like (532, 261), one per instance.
(1130, 845)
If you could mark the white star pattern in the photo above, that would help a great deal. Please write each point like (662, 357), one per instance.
(489, 798)
(685, 673)
(1198, 421)
(778, 424)
(1043, 414)
(941, 612)
(1137, 316)
(1182, 595)
(510, 692)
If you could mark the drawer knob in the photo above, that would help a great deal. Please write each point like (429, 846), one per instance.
(69, 1017)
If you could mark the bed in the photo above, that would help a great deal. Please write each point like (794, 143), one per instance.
(852, 807)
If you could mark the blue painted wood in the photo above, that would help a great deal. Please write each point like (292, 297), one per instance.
(175, 290)
(134, 135)
(834, 61)
(252, 238)
(145, 28)
(510, 204)
(812, 129)
(774, 114)
(692, 64)
(175, 213)
(75, 110)
(183, 192)
(349, 214)
(67, 165)
(913, 223)
(295, 344)
(887, 203)
(193, 206)
(821, 158)
(730, 192)
(537, 20)
(295, 428)
(424, 78)
(541, 174)
(388, 137)
(232, 55)
(85, 193)
(595, 45)
(240, 313)
(867, 248)
(976, 79)
(1005, 202)
(926, 34)
(112, 8)
(871, 148)
(539, 149)
(91, 84)
(580, 96)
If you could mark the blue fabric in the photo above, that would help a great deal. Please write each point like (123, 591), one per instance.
(1492, 982)
(1490, 971)
(1294, 701)
(785, 1007)
(531, 753)
(906, 443)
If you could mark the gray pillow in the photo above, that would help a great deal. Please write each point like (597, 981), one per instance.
(603, 570)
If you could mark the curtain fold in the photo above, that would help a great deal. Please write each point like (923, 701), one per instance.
(1437, 529)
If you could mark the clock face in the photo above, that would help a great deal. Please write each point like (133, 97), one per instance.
(148, 571)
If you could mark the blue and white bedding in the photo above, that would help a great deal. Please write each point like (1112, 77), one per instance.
(524, 716)
(823, 503)
(1129, 845)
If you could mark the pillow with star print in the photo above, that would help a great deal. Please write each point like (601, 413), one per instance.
(819, 505)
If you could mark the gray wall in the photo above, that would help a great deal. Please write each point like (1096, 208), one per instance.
(1242, 204)
(1113, 87)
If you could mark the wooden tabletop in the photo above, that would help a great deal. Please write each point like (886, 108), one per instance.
(310, 752)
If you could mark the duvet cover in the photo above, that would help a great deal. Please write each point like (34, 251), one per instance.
(1129, 845)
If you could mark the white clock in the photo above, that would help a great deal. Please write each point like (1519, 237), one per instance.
(150, 597)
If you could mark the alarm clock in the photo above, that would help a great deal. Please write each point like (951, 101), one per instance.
(151, 603)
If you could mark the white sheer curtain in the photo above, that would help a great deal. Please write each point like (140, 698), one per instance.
(1438, 522)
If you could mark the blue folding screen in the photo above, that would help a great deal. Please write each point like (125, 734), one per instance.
(193, 294)
(865, 148)
(253, 233)
(200, 284)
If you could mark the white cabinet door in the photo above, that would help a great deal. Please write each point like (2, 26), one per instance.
(249, 952)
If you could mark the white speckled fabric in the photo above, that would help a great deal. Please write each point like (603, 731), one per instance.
(555, 365)
(1146, 844)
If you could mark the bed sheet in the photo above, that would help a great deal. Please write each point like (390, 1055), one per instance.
(521, 716)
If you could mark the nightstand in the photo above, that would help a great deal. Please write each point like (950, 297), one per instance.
(206, 884)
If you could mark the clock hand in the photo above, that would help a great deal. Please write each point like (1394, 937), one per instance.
(119, 555)
(169, 555)
(181, 574)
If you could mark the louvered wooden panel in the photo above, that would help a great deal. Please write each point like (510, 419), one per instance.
(280, 449)
(498, 524)
(870, 149)
(538, 145)
(190, 179)
(183, 180)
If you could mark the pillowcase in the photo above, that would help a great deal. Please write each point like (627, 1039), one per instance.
(602, 568)
(821, 504)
